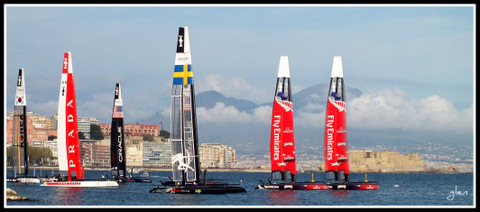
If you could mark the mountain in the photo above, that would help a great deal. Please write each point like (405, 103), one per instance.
(208, 99)
(245, 125)
(251, 137)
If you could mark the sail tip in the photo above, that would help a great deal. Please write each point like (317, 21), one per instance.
(283, 67)
(337, 68)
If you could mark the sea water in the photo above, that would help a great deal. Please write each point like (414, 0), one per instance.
(396, 190)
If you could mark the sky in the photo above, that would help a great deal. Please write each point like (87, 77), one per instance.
(414, 63)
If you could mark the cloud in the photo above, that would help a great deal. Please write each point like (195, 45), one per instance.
(384, 109)
(391, 109)
(237, 87)
(230, 114)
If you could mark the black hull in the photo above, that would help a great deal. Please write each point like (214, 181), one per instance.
(134, 180)
(199, 189)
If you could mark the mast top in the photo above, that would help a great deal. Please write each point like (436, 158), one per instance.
(283, 67)
(337, 68)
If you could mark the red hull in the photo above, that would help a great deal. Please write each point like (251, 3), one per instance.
(320, 186)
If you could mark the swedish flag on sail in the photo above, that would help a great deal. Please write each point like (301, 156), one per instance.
(183, 75)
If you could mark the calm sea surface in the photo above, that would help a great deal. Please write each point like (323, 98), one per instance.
(395, 190)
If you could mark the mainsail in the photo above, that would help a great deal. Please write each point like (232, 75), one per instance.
(282, 140)
(19, 138)
(117, 144)
(335, 138)
(67, 130)
(185, 160)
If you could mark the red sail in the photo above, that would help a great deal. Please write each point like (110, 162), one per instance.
(282, 140)
(335, 137)
(335, 141)
(288, 137)
(73, 149)
(276, 135)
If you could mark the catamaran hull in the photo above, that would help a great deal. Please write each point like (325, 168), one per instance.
(24, 180)
(201, 189)
(81, 184)
(319, 186)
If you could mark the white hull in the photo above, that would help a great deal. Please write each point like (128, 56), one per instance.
(28, 180)
(81, 184)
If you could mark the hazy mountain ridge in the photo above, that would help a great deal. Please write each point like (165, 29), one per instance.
(253, 136)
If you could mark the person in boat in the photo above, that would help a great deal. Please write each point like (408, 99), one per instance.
(282, 96)
(335, 95)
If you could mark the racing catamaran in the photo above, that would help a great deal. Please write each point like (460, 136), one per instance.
(282, 139)
(67, 135)
(117, 142)
(19, 135)
(337, 171)
(183, 129)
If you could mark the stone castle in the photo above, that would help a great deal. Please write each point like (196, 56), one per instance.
(386, 161)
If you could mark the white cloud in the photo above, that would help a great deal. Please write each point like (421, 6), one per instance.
(391, 109)
(236, 87)
(229, 114)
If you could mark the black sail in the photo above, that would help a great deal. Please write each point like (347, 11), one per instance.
(117, 140)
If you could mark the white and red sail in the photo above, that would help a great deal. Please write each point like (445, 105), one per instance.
(335, 138)
(67, 130)
(282, 140)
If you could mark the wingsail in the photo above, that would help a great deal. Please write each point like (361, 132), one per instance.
(335, 138)
(282, 139)
(186, 161)
(19, 136)
(117, 137)
(67, 130)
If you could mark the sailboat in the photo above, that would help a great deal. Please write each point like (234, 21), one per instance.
(183, 129)
(117, 142)
(282, 139)
(19, 138)
(67, 135)
(337, 170)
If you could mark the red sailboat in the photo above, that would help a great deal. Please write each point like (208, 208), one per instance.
(337, 170)
(67, 135)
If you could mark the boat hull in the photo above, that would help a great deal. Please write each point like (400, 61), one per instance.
(25, 180)
(81, 184)
(319, 186)
(199, 189)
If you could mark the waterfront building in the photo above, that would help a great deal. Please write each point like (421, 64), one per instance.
(133, 129)
(385, 161)
(84, 125)
(157, 154)
(95, 153)
(37, 129)
(214, 155)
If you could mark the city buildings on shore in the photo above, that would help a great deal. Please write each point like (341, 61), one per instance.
(133, 129)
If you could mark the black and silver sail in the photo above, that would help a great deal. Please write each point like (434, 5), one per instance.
(184, 138)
